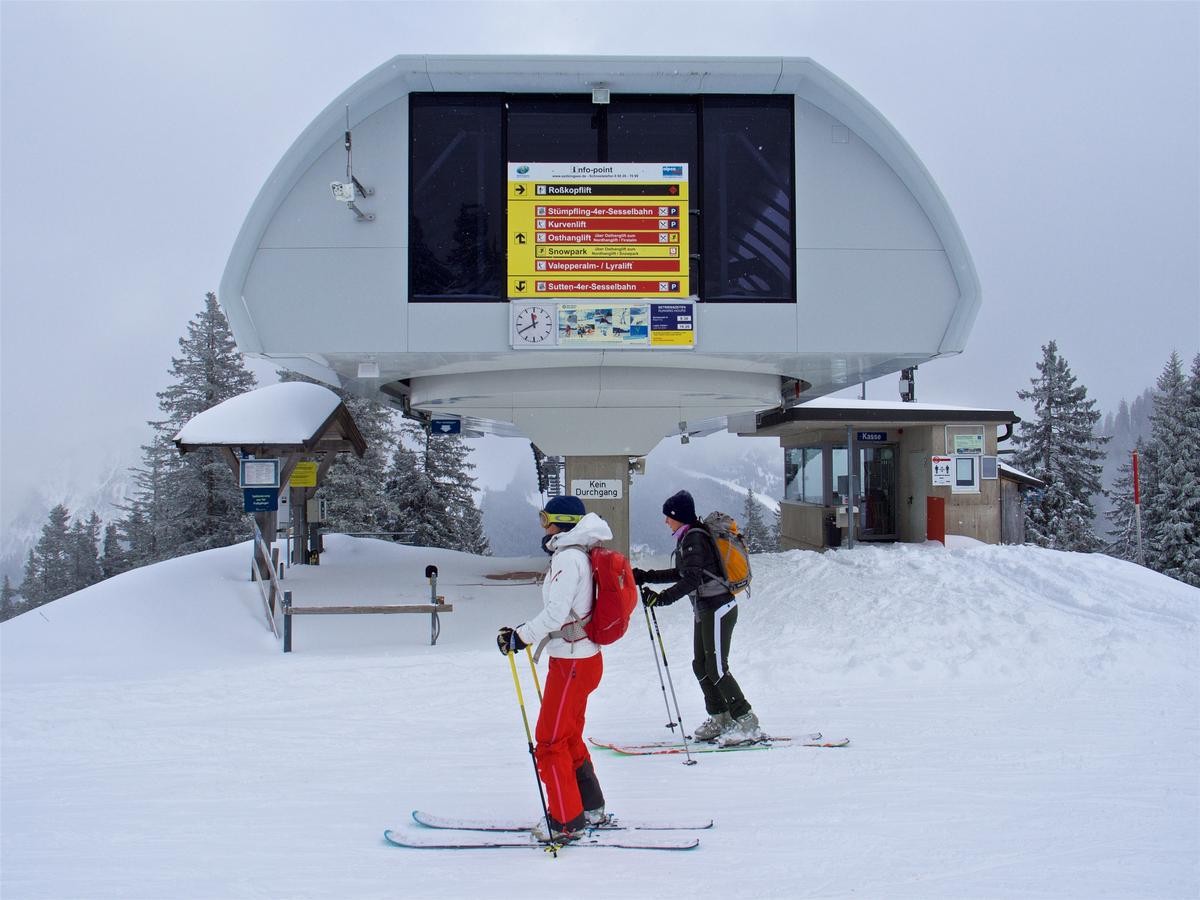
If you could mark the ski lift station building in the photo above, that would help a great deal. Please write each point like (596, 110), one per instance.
(596, 253)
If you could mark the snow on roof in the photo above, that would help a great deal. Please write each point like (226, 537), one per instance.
(1017, 473)
(855, 403)
(290, 412)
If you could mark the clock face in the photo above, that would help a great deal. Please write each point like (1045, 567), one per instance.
(533, 325)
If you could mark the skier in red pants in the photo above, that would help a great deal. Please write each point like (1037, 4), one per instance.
(572, 790)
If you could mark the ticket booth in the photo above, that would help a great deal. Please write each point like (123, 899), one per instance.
(859, 471)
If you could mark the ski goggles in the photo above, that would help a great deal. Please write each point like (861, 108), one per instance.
(548, 519)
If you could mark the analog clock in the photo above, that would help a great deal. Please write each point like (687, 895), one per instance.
(533, 325)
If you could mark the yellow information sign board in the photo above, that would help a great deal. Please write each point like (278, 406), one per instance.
(304, 475)
(597, 230)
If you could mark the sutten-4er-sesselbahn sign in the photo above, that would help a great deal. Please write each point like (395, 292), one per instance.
(597, 231)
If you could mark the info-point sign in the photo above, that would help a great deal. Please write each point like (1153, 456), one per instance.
(597, 230)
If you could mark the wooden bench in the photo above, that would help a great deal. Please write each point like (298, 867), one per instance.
(430, 609)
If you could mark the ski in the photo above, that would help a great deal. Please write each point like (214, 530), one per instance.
(475, 840)
(501, 823)
(664, 747)
(693, 742)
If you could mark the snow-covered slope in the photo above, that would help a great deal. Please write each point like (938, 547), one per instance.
(1024, 723)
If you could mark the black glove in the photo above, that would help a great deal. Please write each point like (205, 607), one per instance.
(639, 577)
(649, 596)
(509, 641)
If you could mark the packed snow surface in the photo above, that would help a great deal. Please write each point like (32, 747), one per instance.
(1024, 723)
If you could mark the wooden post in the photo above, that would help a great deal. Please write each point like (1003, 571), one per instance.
(287, 621)
(431, 572)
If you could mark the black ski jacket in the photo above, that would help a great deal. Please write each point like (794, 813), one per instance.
(696, 571)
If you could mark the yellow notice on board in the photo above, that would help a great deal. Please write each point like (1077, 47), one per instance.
(304, 475)
(672, 338)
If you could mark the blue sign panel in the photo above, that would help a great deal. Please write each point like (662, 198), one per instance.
(871, 437)
(257, 500)
(445, 426)
(670, 317)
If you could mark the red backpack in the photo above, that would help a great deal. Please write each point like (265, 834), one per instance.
(615, 593)
(614, 598)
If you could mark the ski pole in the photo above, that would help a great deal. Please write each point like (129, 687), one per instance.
(671, 723)
(512, 662)
(667, 667)
(533, 668)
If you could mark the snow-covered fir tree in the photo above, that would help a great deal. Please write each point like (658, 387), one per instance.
(148, 523)
(1172, 520)
(114, 558)
(432, 490)
(418, 509)
(751, 526)
(186, 504)
(49, 571)
(10, 602)
(205, 500)
(448, 465)
(84, 552)
(1059, 446)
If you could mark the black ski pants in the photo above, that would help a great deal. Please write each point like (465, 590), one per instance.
(710, 660)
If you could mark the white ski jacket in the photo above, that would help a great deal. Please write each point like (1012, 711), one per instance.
(567, 589)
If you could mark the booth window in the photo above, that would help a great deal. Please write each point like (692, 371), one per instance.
(989, 468)
(966, 475)
(804, 475)
(740, 156)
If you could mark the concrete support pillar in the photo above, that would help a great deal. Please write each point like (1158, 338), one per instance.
(594, 479)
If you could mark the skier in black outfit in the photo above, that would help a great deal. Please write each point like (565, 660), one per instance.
(697, 572)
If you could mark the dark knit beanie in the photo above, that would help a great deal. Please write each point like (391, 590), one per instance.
(681, 507)
(568, 506)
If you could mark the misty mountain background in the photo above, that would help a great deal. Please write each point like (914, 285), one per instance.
(718, 470)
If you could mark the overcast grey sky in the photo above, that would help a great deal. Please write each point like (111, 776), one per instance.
(1065, 136)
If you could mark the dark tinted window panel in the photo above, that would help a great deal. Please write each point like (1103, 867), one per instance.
(653, 130)
(746, 203)
(661, 130)
(457, 198)
(551, 129)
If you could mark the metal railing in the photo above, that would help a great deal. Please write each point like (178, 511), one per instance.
(265, 559)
